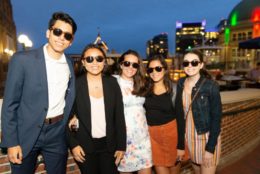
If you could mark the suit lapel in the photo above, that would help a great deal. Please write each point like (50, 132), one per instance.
(106, 93)
(70, 93)
(70, 66)
(86, 100)
(41, 66)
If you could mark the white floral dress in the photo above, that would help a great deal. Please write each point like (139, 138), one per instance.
(138, 153)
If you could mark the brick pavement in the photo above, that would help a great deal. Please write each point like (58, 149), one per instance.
(248, 164)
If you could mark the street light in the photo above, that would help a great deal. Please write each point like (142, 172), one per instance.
(25, 41)
(8, 51)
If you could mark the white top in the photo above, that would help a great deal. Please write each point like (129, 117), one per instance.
(58, 75)
(98, 118)
(138, 153)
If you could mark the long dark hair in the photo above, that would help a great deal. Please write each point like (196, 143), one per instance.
(139, 77)
(166, 77)
(203, 71)
(82, 70)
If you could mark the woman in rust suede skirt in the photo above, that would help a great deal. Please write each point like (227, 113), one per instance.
(159, 105)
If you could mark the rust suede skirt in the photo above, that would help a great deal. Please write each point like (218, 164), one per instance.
(164, 144)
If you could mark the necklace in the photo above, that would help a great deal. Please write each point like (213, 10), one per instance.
(94, 83)
(95, 86)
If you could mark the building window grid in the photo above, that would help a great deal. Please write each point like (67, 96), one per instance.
(242, 36)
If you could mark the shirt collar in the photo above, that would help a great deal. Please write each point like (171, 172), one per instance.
(62, 59)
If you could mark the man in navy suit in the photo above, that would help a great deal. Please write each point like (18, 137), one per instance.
(38, 97)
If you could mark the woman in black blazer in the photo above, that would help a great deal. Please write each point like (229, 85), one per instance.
(100, 141)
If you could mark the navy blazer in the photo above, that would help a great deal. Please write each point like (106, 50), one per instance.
(114, 113)
(25, 102)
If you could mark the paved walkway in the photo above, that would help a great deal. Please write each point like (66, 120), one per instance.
(249, 164)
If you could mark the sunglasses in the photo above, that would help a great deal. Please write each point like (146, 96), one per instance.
(58, 32)
(193, 63)
(90, 59)
(157, 69)
(127, 64)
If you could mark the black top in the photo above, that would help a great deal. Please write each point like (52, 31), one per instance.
(159, 109)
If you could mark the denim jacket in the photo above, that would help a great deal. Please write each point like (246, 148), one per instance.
(206, 109)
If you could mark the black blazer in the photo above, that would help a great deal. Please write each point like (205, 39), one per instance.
(114, 113)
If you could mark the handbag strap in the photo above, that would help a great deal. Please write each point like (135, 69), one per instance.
(194, 98)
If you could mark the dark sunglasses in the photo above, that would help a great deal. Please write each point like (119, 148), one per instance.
(127, 64)
(157, 69)
(90, 59)
(58, 32)
(193, 63)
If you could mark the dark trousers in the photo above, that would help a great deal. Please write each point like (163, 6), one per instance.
(52, 145)
(99, 162)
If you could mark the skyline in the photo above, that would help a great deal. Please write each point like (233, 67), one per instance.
(123, 25)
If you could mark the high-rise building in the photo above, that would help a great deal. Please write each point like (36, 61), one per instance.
(211, 37)
(189, 35)
(7, 39)
(157, 45)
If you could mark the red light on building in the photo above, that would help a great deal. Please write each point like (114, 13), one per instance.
(256, 15)
(256, 22)
(256, 30)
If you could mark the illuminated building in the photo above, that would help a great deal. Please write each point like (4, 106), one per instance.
(210, 49)
(189, 35)
(157, 45)
(101, 43)
(211, 37)
(7, 39)
(243, 24)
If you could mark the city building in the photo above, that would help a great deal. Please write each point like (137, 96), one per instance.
(221, 46)
(101, 43)
(243, 24)
(7, 39)
(210, 49)
(211, 37)
(188, 36)
(157, 45)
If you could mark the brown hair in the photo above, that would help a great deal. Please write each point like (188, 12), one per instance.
(166, 77)
(139, 77)
(203, 71)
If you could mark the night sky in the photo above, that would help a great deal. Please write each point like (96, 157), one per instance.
(123, 24)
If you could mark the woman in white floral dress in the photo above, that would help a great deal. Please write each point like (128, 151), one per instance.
(138, 155)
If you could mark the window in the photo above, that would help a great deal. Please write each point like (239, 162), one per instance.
(233, 52)
(249, 35)
(239, 36)
(234, 37)
(244, 36)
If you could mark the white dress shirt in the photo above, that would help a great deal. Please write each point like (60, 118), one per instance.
(58, 74)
